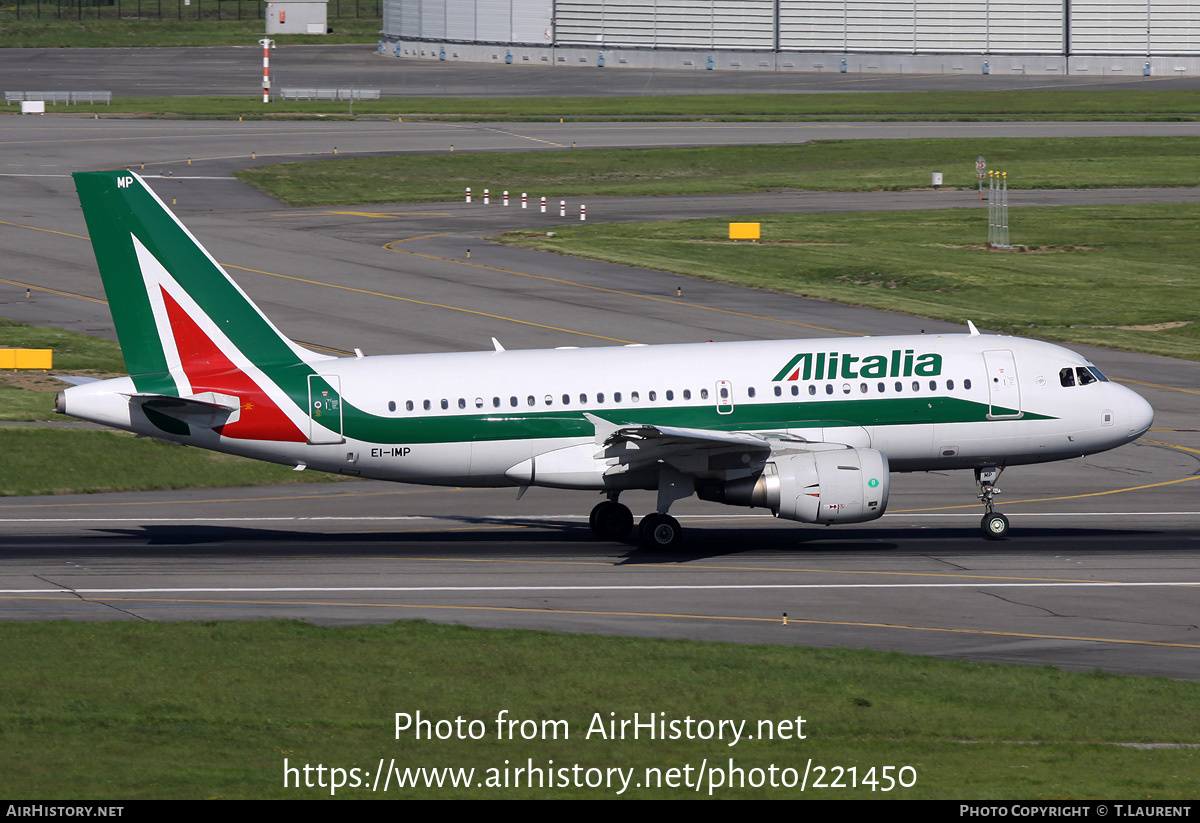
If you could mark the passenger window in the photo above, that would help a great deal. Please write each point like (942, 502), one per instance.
(916, 385)
(600, 397)
(749, 391)
(779, 391)
(530, 400)
(950, 385)
(933, 385)
(796, 391)
(445, 403)
(425, 405)
(882, 387)
(687, 394)
(829, 388)
(616, 397)
(724, 393)
(512, 401)
(704, 394)
(862, 387)
(967, 384)
(583, 399)
(495, 402)
(812, 389)
(899, 386)
(549, 400)
(845, 388)
(462, 402)
(1085, 376)
(566, 399)
(408, 405)
(653, 396)
(391, 405)
(670, 395)
(633, 396)
(1066, 377)
(479, 402)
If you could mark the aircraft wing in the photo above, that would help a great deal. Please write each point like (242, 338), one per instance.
(691, 451)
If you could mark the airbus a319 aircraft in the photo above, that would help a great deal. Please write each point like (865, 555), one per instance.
(809, 429)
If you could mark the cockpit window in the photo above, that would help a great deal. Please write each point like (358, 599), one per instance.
(1085, 376)
(1066, 377)
(1098, 374)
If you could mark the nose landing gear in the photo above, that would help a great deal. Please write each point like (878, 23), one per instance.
(994, 525)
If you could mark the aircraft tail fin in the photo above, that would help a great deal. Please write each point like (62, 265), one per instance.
(181, 320)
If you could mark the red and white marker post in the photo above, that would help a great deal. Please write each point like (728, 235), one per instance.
(506, 198)
(562, 208)
(267, 46)
(468, 194)
(524, 200)
(543, 205)
(485, 197)
(582, 212)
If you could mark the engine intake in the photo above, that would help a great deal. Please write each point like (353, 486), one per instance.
(837, 486)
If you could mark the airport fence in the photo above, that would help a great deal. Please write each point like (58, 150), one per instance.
(167, 9)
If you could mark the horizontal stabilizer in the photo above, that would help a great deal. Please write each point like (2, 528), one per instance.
(208, 409)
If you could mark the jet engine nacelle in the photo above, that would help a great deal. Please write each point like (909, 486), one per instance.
(837, 486)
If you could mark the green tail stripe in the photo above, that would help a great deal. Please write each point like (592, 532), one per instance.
(109, 215)
(114, 212)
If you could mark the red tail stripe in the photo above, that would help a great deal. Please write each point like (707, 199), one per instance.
(208, 369)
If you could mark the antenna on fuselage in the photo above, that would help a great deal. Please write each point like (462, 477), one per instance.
(971, 326)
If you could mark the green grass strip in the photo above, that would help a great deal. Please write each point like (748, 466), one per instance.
(1119, 276)
(205, 710)
(129, 33)
(73, 351)
(862, 165)
(1122, 104)
(61, 461)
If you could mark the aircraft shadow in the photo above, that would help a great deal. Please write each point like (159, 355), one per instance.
(516, 537)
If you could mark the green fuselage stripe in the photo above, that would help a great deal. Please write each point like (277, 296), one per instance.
(517, 424)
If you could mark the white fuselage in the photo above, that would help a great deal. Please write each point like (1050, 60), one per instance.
(926, 402)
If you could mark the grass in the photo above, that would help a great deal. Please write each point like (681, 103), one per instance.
(1091, 275)
(18, 404)
(1133, 104)
(61, 461)
(165, 33)
(28, 395)
(195, 710)
(141, 23)
(73, 352)
(837, 165)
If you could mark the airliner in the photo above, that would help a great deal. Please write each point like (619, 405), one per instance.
(807, 429)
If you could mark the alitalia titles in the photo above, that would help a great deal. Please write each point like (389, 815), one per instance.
(832, 365)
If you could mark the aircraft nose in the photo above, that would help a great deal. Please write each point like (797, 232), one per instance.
(1139, 413)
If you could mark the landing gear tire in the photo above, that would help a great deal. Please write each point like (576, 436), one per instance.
(994, 526)
(660, 532)
(611, 521)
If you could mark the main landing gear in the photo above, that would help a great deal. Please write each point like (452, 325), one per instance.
(611, 520)
(660, 531)
(994, 525)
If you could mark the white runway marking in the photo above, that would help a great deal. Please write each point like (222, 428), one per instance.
(412, 589)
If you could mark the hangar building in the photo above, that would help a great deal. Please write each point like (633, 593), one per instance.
(1110, 37)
